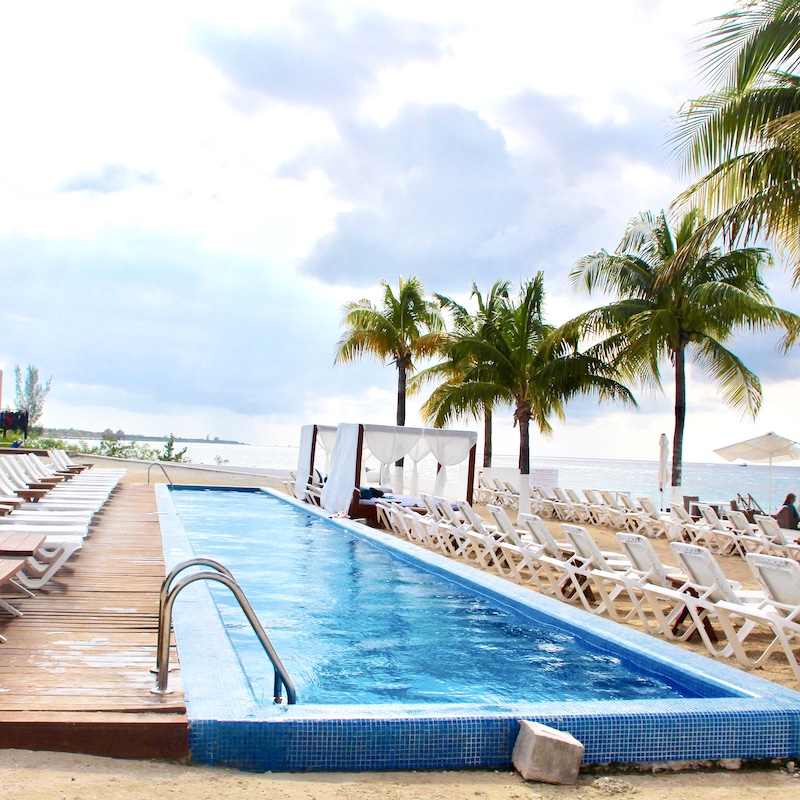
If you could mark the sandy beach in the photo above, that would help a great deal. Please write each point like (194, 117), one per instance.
(45, 775)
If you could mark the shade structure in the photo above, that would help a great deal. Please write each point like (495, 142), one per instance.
(663, 466)
(764, 449)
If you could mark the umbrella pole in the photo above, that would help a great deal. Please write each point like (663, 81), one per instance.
(770, 485)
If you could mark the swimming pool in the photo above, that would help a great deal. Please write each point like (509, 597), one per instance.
(723, 712)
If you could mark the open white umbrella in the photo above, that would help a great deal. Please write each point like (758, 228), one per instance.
(763, 450)
(663, 466)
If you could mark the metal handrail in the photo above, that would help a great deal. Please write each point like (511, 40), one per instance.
(158, 464)
(224, 576)
(200, 561)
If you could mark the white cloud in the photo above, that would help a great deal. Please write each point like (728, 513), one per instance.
(192, 190)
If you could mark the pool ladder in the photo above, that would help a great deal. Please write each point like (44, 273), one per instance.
(220, 574)
(161, 466)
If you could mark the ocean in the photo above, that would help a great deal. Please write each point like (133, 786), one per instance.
(715, 483)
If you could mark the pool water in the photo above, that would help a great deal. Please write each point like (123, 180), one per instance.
(356, 624)
(232, 721)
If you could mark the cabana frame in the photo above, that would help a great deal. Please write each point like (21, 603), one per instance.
(341, 493)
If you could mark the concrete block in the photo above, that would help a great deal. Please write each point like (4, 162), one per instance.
(546, 754)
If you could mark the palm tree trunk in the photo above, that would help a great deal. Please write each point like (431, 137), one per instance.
(487, 438)
(522, 417)
(680, 413)
(402, 378)
(524, 446)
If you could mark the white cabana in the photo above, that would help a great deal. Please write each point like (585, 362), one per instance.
(388, 444)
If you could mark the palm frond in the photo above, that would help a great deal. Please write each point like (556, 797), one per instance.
(740, 387)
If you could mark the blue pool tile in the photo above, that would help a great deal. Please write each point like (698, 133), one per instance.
(747, 717)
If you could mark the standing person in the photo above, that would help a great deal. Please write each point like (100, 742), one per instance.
(787, 516)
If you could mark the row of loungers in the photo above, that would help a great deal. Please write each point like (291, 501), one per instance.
(693, 600)
(46, 512)
(734, 535)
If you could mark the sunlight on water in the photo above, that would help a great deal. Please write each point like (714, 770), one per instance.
(353, 624)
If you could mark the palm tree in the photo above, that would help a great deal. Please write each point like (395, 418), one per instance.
(517, 359)
(407, 326)
(745, 135)
(663, 311)
(466, 326)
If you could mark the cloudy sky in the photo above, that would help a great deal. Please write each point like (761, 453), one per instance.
(189, 192)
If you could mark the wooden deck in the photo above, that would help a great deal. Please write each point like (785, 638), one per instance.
(74, 673)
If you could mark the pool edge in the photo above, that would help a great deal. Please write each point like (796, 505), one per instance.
(762, 723)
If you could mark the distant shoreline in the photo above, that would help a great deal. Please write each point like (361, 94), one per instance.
(70, 433)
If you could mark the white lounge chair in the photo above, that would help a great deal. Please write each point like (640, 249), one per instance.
(588, 569)
(563, 506)
(430, 506)
(636, 519)
(780, 544)
(543, 503)
(615, 514)
(9, 569)
(720, 538)
(472, 519)
(649, 570)
(598, 508)
(661, 525)
(780, 580)
(750, 537)
(580, 507)
(738, 612)
(42, 567)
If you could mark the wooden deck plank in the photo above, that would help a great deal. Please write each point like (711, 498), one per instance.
(75, 672)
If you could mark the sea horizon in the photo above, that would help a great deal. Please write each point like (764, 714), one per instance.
(708, 481)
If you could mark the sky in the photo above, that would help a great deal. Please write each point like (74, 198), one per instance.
(190, 192)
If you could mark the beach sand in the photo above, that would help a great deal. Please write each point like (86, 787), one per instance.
(62, 776)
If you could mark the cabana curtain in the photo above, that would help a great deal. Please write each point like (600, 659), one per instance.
(337, 493)
(389, 445)
(304, 461)
(448, 450)
(325, 437)
(416, 454)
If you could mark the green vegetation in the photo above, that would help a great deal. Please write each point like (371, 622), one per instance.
(743, 138)
(31, 394)
(32, 442)
(406, 327)
(78, 433)
(455, 368)
(677, 293)
(115, 448)
(512, 357)
(676, 299)
(170, 454)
